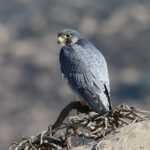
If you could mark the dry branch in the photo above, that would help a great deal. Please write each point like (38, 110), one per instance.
(65, 112)
(97, 127)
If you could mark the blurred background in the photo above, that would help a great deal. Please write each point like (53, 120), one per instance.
(32, 91)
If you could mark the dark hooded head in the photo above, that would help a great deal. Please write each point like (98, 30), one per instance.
(67, 36)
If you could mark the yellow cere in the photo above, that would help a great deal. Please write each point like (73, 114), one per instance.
(61, 38)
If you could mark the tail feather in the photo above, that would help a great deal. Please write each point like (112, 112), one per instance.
(94, 102)
(108, 97)
(100, 102)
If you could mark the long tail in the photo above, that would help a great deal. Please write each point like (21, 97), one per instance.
(100, 102)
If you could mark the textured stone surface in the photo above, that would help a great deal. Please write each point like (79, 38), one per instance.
(132, 137)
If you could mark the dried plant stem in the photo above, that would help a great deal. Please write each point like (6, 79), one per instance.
(65, 112)
(97, 127)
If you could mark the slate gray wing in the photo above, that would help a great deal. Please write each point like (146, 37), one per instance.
(94, 91)
(86, 71)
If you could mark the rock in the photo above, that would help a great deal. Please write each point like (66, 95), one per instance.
(132, 137)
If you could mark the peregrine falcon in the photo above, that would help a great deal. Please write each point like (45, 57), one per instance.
(85, 69)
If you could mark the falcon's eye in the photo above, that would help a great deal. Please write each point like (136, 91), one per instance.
(67, 35)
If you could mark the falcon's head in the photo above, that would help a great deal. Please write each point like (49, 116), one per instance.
(67, 36)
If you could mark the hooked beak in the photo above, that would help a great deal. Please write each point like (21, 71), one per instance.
(60, 39)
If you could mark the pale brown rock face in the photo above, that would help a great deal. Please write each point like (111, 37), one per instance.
(132, 137)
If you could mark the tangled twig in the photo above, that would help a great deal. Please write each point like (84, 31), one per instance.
(89, 126)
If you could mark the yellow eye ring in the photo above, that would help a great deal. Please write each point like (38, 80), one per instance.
(67, 36)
